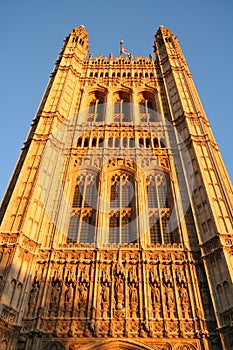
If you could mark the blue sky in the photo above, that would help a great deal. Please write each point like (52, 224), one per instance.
(32, 33)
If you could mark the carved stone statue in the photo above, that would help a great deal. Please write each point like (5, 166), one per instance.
(133, 295)
(68, 296)
(155, 294)
(184, 301)
(105, 293)
(82, 293)
(55, 297)
(119, 292)
(169, 299)
(33, 298)
(167, 275)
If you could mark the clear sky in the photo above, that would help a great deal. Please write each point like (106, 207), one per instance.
(32, 33)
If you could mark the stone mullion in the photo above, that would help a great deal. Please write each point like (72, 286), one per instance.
(90, 299)
(139, 210)
(143, 285)
(134, 109)
(94, 305)
(103, 215)
(162, 297)
(75, 300)
(126, 293)
(109, 108)
(177, 307)
(159, 212)
(111, 293)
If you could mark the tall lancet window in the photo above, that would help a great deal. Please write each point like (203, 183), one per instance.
(122, 209)
(121, 110)
(82, 221)
(158, 194)
(147, 110)
(96, 108)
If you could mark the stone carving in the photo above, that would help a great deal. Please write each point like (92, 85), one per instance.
(55, 298)
(132, 276)
(68, 298)
(54, 345)
(105, 300)
(133, 294)
(84, 275)
(184, 301)
(33, 296)
(180, 277)
(119, 292)
(62, 328)
(156, 301)
(153, 275)
(82, 299)
(167, 278)
(169, 301)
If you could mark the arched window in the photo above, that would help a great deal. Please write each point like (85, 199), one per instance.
(100, 111)
(156, 142)
(114, 229)
(94, 142)
(121, 107)
(152, 194)
(141, 142)
(155, 231)
(77, 199)
(79, 142)
(110, 142)
(147, 107)
(82, 221)
(159, 209)
(86, 142)
(96, 107)
(122, 205)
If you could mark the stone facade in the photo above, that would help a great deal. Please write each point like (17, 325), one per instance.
(116, 228)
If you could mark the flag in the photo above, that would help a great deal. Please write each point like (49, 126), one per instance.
(125, 51)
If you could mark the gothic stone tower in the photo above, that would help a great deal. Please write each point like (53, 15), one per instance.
(116, 227)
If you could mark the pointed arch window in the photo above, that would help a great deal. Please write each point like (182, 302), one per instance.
(155, 231)
(159, 209)
(122, 209)
(122, 107)
(82, 222)
(147, 108)
(96, 110)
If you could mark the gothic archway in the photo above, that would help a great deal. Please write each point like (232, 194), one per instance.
(53, 345)
(122, 345)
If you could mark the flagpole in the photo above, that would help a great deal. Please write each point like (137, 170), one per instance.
(121, 43)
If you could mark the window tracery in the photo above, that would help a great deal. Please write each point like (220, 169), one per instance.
(122, 205)
(96, 107)
(121, 107)
(82, 221)
(147, 108)
(159, 208)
